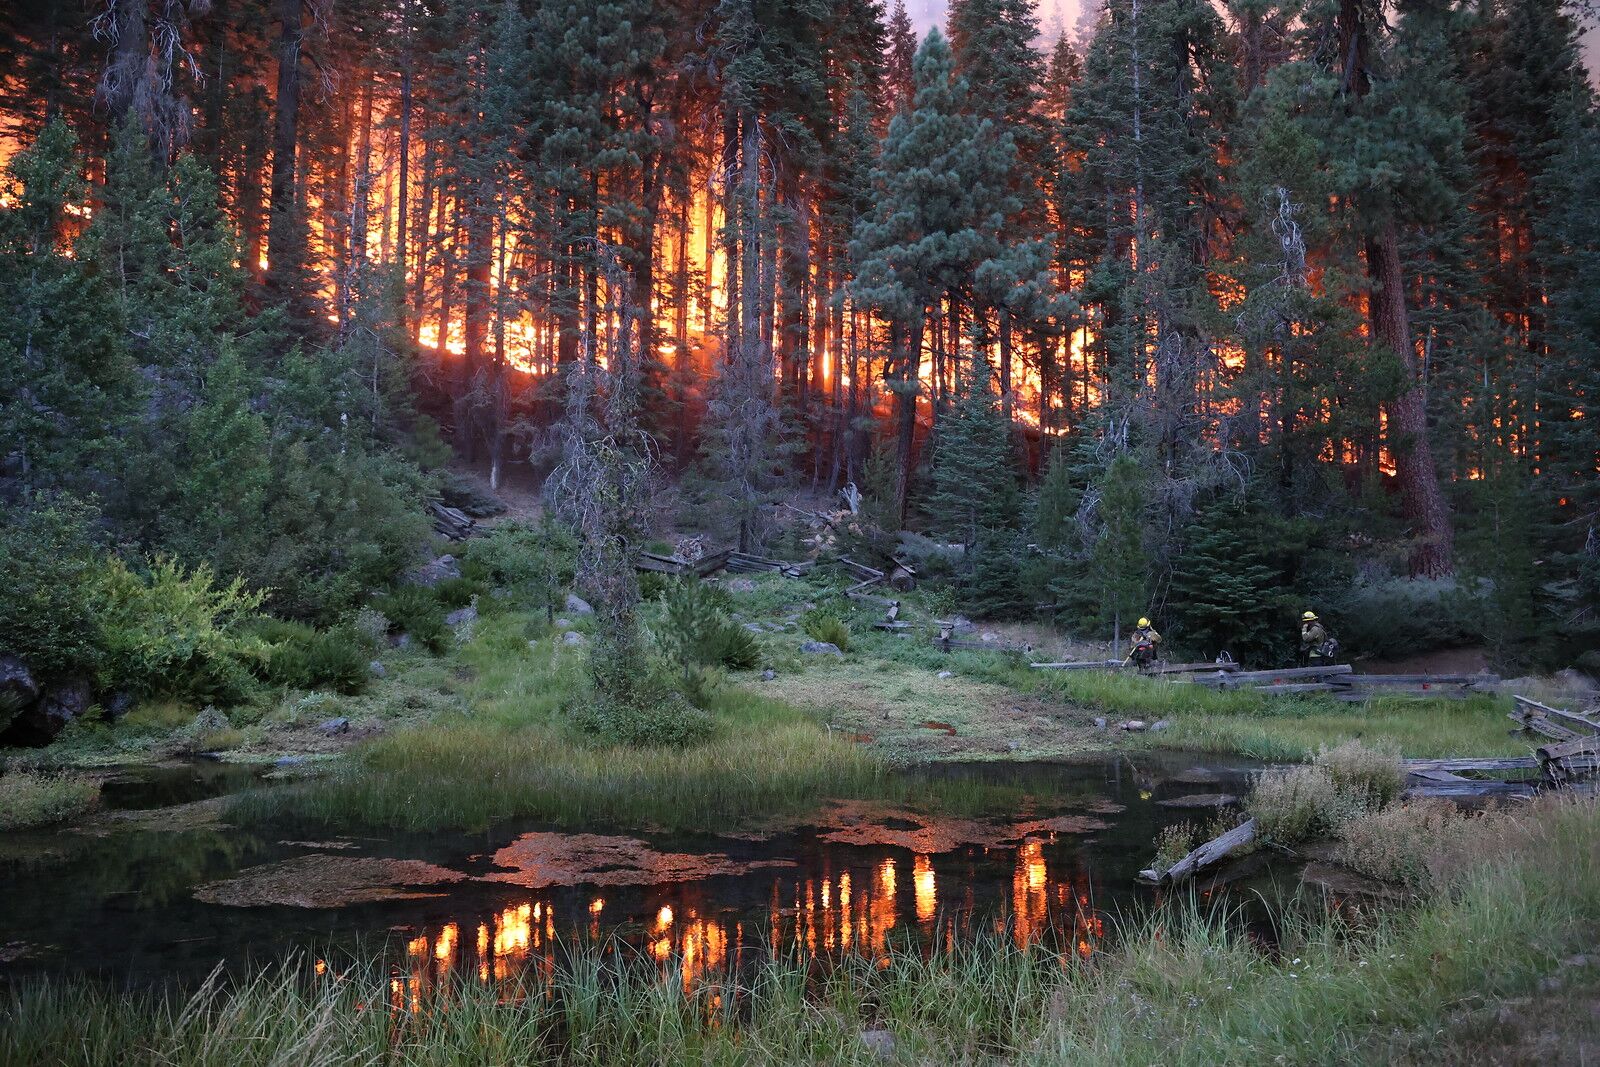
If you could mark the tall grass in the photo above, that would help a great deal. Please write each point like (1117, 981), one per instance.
(1185, 986)
(29, 799)
(515, 755)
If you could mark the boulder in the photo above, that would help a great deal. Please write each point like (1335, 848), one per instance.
(376, 669)
(880, 1043)
(1134, 725)
(574, 638)
(768, 675)
(945, 674)
(821, 648)
(1575, 680)
(331, 727)
(563, 624)
(18, 688)
(461, 617)
(115, 705)
(577, 605)
(1159, 725)
(39, 723)
(435, 571)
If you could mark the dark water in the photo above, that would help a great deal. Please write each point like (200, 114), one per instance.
(1057, 863)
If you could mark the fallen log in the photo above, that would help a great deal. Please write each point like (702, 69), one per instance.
(1191, 668)
(1226, 679)
(1291, 689)
(452, 523)
(1206, 855)
(1505, 763)
(1586, 723)
(1087, 665)
(1376, 680)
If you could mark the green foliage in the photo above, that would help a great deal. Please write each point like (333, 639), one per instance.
(29, 800)
(654, 716)
(695, 629)
(455, 593)
(1119, 560)
(820, 624)
(533, 563)
(300, 657)
(414, 610)
(974, 480)
(1226, 594)
(48, 569)
(175, 633)
(1399, 617)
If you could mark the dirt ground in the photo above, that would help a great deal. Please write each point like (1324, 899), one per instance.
(905, 714)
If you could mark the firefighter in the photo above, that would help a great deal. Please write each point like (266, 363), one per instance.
(1317, 646)
(1143, 644)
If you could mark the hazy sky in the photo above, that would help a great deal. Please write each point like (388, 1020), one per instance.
(927, 12)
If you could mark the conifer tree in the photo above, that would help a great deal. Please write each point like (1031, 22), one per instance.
(974, 488)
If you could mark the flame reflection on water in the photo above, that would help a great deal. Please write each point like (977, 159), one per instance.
(846, 911)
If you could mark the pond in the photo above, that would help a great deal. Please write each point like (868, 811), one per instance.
(157, 888)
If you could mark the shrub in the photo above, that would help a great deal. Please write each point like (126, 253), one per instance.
(823, 625)
(1297, 803)
(651, 715)
(1375, 776)
(414, 610)
(453, 593)
(696, 632)
(1175, 842)
(371, 627)
(28, 800)
(1401, 616)
(177, 634)
(47, 572)
(1419, 844)
(533, 563)
(299, 657)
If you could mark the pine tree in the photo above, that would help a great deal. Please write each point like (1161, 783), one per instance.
(1119, 563)
(1226, 595)
(974, 483)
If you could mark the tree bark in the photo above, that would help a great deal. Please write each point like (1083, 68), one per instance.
(285, 239)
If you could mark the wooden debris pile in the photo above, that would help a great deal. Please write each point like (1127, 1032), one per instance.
(1573, 751)
(452, 523)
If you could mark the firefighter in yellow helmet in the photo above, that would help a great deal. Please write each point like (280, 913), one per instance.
(1143, 644)
(1317, 646)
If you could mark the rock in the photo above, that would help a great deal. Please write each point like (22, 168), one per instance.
(1200, 800)
(755, 627)
(462, 617)
(573, 638)
(435, 571)
(1159, 725)
(740, 585)
(989, 637)
(17, 687)
(563, 623)
(334, 726)
(946, 674)
(288, 761)
(1134, 726)
(40, 722)
(880, 1043)
(577, 605)
(377, 669)
(768, 675)
(821, 648)
(1580, 960)
(962, 625)
(400, 641)
(115, 705)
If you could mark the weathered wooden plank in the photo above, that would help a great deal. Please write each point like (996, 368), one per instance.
(1505, 763)
(861, 570)
(1291, 689)
(1540, 724)
(1438, 777)
(1190, 668)
(1086, 665)
(1580, 746)
(1206, 855)
(1240, 678)
(1423, 679)
(1586, 723)
(1468, 788)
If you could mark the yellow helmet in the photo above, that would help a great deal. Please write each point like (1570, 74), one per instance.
(1144, 622)
(1309, 616)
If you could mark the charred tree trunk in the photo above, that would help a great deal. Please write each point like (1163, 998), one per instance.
(285, 227)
